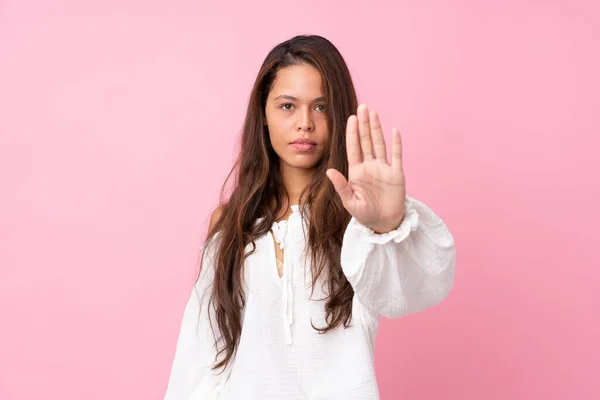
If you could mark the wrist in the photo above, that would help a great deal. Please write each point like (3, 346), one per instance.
(387, 227)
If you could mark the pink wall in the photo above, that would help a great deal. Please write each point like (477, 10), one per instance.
(117, 125)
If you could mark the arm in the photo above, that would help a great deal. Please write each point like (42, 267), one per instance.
(403, 271)
(191, 373)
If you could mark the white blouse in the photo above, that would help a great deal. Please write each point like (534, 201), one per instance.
(280, 355)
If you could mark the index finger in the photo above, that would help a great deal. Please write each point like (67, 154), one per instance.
(352, 143)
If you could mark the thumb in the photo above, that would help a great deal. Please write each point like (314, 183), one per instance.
(340, 184)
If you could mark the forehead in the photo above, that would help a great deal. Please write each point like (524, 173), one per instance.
(301, 81)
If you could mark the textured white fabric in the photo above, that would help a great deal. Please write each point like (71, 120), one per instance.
(280, 355)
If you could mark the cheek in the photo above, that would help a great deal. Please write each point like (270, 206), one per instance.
(278, 139)
(323, 128)
(277, 127)
(324, 136)
(272, 133)
(276, 135)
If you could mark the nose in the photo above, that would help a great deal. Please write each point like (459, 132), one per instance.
(305, 122)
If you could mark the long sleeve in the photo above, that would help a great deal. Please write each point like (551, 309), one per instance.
(191, 374)
(403, 271)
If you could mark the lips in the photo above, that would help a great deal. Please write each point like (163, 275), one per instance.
(303, 147)
(303, 141)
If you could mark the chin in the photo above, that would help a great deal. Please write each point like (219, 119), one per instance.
(302, 164)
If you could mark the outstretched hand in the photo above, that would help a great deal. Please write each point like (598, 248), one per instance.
(375, 191)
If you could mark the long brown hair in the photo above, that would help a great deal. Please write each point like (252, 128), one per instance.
(258, 186)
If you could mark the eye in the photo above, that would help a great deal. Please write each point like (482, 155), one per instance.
(284, 106)
(323, 109)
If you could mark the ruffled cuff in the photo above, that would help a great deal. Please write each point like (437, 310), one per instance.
(409, 223)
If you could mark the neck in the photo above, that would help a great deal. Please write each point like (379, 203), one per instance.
(294, 180)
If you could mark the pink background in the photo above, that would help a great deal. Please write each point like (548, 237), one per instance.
(118, 122)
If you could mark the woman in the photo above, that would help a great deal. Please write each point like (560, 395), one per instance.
(316, 241)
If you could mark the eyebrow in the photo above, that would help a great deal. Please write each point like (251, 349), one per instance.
(292, 98)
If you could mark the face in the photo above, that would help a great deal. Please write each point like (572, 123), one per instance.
(296, 115)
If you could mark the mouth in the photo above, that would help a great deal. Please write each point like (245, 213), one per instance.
(303, 141)
(303, 145)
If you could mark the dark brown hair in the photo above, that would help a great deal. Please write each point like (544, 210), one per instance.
(259, 192)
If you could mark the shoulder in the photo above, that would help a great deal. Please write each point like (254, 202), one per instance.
(210, 245)
(215, 216)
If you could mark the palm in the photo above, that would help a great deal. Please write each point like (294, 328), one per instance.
(375, 190)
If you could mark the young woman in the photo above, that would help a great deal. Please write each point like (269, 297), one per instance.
(315, 242)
